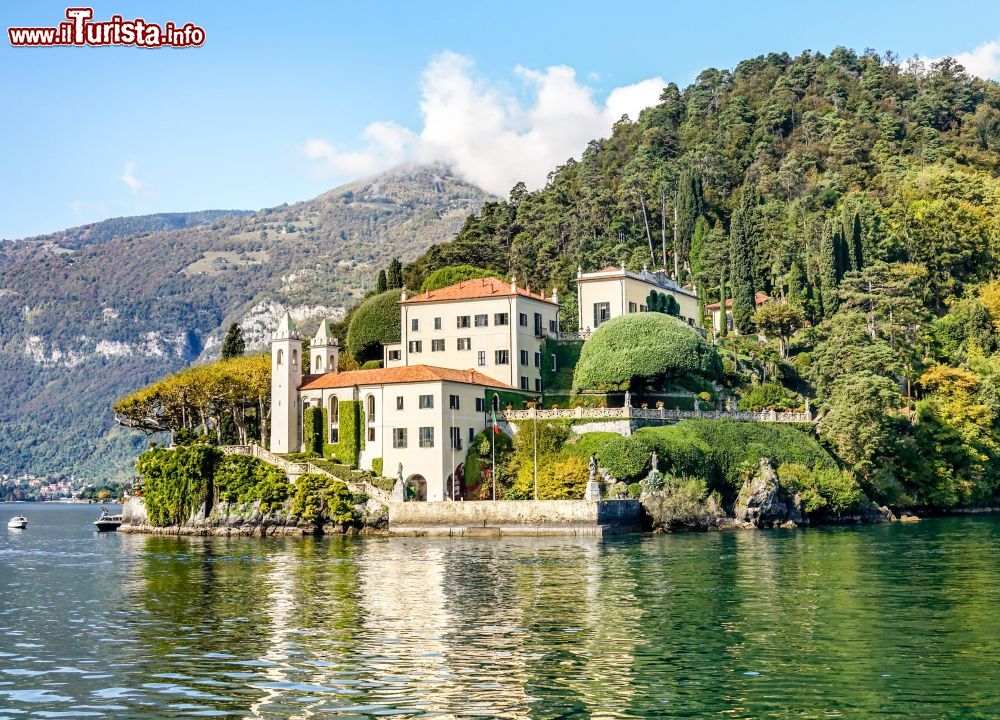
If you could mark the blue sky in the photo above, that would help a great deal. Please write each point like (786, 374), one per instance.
(288, 99)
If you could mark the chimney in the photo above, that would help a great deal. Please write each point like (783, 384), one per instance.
(579, 271)
(513, 283)
(555, 294)
(402, 295)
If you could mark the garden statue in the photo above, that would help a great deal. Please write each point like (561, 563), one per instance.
(628, 399)
(593, 491)
(654, 460)
(399, 487)
(593, 468)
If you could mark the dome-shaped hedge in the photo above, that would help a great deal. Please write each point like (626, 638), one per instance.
(643, 350)
(374, 324)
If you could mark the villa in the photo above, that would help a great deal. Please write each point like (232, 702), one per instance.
(614, 291)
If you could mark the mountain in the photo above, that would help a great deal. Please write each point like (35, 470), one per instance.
(91, 313)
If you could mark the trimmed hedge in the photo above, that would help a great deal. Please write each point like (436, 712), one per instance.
(567, 354)
(314, 430)
(348, 446)
(643, 350)
(377, 466)
(374, 324)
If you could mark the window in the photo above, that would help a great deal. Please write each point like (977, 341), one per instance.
(414, 324)
(333, 415)
(501, 319)
(522, 319)
(538, 359)
(295, 358)
(416, 346)
(426, 437)
(538, 385)
(453, 402)
(632, 307)
(399, 402)
(642, 308)
(437, 323)
(281, 356)
(465, 343)
(371, 410)
(371, 434)
(538, 324)
(555, 363)
(553, 327)
(399, 437)
(463, 321)
(481, 357)
(482, 320)
(524, 383)
(480, 405)
(602, 313)
(456, 438)
(394, 355)
(426, 401)
(472, 434)
(437, 345)
(502, 357)
(524, 357)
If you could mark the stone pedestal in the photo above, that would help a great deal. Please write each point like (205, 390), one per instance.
(398, 492)
(593, 491)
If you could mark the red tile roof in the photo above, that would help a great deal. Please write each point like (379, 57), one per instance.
(759, 298)
(474, 289)
(388, 376)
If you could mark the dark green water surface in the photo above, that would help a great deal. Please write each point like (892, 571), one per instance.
(881, 621)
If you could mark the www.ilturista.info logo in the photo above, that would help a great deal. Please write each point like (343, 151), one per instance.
(81, 30)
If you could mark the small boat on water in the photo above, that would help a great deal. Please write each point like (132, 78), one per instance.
(107, 523)
(18, 522)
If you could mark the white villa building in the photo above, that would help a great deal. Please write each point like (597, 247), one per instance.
(614, 291)
(460, 347)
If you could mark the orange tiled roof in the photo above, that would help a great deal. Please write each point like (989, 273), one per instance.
(388, 376)
(474, 289)
(759, 298)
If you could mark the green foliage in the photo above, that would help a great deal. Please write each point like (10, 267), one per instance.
(394, 274)
(821, 487)
(377, 466)
(382, 283)
(743, 257)
(768, 396)
(245, 479)
(176, 482)
(567, 353)
(374, 324)
(319, 498)
(314, 429)
(371, 364)
(560, 477)
(443, 277)
(478, 463)
(233, 345)
(626, 458)
(348, 446)
(645, 350)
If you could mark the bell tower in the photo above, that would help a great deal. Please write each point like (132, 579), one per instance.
(286, 376)
(325, 350)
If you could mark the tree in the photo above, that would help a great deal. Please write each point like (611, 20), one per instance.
(394, 275)
(829, 269)
(743, 258)
(373, 325)
(233, 345)
(443, 277)
(643, 350)
(382, 284)
(780, 320)
(857, 422)
(689, 204)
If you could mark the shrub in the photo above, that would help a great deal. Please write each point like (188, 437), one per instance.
(768, 396)
(560, 477)
(374, 324)
(348, 445)
(371, 365)
(318, 498)
(643, 350)
(175, 482)
(443, 277)
(479, 457)
(377, 466)
(245, 479)
(821, 487)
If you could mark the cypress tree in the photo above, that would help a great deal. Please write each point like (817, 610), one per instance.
(689, 203)
(394, 275)
(742, 258)
(856, 242)
(828, 270)
(724, 324)
(382, 284)
(233, 345)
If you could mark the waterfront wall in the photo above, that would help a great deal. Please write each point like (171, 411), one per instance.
(516, 517)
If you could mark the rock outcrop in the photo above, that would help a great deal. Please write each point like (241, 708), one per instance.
(763, 503)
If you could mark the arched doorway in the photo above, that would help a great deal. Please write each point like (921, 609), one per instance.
(416, 488)
(496, 402)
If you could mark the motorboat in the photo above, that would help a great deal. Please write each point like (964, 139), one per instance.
(107, 522)
(18, 522)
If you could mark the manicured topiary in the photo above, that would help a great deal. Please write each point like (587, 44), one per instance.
(443, 277)
(348, 446)
(313, 430)
(374, 324)
(643, 350)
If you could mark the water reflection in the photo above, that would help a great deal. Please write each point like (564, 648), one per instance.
(890, 621)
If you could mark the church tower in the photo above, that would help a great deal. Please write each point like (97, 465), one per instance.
(325, 350)
(286, 376)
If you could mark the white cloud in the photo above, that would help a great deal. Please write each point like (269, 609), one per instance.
(483, 131)
(982, 61)
(129, 178)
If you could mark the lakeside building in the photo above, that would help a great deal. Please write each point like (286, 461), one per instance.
(715, 310)
(613, 291)
(462, 347)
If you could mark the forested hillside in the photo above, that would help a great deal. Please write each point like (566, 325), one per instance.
(91, 313)
(859, 191)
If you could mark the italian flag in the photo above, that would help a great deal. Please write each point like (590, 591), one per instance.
(496, 428)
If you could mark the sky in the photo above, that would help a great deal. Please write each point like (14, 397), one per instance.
(285, 100)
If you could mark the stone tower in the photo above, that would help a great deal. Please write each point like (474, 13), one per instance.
(325, 350)
(286, 376)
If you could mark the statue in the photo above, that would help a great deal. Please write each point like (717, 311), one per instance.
(399, 487)
(593, 490)
(654, 460)
(593, 468)
(628, 399)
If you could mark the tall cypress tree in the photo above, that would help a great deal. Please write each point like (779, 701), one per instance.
(828, 269)
(856, 243)
(233, 345)
(689, 204)
(394, 275)
(743, 258)
(724, 323)
(382, 284)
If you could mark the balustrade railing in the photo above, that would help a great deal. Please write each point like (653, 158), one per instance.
(625, 413)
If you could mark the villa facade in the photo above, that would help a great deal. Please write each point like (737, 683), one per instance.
(613, 291)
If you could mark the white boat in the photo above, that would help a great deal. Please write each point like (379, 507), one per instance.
(108, 523)
(18, 522)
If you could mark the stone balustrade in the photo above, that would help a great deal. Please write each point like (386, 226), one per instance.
(629, 413)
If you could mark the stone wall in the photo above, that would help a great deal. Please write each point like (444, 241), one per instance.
(516, 517)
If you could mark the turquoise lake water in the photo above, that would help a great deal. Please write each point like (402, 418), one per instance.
(881, 621)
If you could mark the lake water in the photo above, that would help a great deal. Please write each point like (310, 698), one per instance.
(889, 621)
